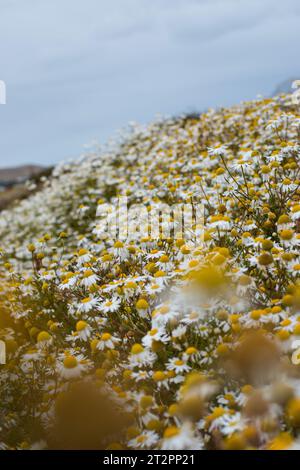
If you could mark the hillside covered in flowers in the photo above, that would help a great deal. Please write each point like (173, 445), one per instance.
(159, 343)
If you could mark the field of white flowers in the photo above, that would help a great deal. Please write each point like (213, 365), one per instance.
(159, 343)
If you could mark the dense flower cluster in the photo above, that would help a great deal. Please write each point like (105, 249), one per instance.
(159, 343)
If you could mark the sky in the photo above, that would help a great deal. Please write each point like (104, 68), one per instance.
(77, 71)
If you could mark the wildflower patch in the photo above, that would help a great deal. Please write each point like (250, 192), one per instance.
(150, 293)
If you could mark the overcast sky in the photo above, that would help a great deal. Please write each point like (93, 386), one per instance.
(78, 70)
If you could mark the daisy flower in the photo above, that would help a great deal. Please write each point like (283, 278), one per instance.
(146, 440)
(107, 341)
(155, 334)
(178, 365)
(87, 304)
(140, 356)
(89, 278)
(71, 366)
(181, 438)
(110, 306)
(83, 330)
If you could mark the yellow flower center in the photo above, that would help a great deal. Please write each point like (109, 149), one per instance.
(142, 304)
(131, 285)
(158, 376)
(153, 332)
(81, 325)
(70, 362)
(137, 349)
(171, 431)
(43, 336)
(178, 362)
(118, 244)
(105, 336)
(255, 314)
(286, 234)
(88, 273)
(82, 252)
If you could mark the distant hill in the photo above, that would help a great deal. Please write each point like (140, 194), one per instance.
(13, 180)
(15, 175)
